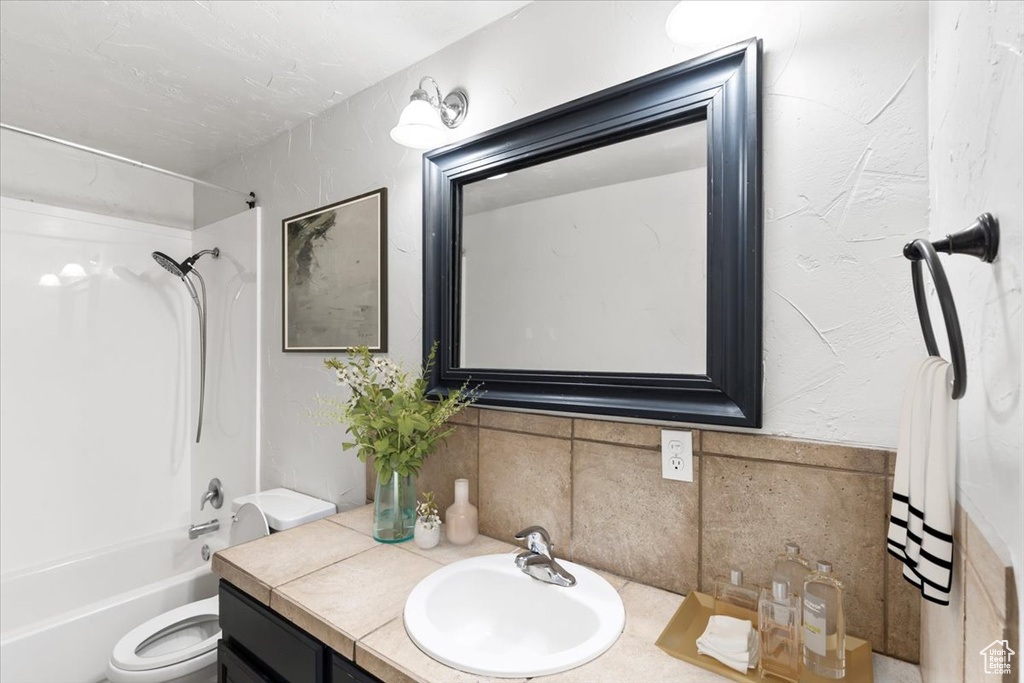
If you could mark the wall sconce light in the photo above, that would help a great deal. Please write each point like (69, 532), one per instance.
(420, 124)
(701, 23)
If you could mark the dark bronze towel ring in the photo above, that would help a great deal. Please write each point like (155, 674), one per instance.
(980, 240)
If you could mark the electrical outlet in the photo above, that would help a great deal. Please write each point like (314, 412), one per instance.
(676, 455)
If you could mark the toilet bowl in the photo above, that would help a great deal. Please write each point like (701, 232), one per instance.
(180, 645)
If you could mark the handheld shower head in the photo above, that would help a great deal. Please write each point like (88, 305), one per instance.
(185, 267)
(182, 270)
(169, 264)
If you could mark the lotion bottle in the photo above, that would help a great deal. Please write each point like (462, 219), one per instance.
(824, 623)
(460, 520)
(792, 567)
(733, 598)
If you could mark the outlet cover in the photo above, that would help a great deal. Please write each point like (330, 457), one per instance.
(676, 455)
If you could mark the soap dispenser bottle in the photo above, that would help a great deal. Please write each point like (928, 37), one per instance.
(824, 623)
(460, 520)
(734, 598)
(778, 616)
(793, 567)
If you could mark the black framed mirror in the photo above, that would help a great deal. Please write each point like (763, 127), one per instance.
(604, 256)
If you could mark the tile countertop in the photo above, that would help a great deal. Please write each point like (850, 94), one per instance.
(333, 580)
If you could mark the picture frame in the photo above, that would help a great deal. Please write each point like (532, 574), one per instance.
(334, 276)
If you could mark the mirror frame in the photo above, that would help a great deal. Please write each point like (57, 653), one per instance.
(723, 88)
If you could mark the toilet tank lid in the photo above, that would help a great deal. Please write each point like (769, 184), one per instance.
(285, 509)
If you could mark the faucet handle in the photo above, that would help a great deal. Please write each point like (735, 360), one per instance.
(537, 540)
(214, 494)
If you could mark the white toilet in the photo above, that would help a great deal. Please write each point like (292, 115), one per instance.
(180, 645)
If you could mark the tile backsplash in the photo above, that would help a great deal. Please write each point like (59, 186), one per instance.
(983, 608)
(597, 488)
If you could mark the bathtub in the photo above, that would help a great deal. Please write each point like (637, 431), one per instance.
(60, 622)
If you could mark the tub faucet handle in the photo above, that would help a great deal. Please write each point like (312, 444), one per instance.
(214, 495)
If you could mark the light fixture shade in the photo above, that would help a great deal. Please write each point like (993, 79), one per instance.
(419, 126)
(707, 23)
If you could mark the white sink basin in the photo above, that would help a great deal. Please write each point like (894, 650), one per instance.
(484, 616)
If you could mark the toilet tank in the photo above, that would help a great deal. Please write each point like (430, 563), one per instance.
(285, 509)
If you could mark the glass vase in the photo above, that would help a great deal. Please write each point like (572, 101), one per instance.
(394, 508)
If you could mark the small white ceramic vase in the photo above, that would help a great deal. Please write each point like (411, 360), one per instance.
(426, 538)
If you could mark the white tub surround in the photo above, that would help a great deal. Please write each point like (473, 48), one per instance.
(95, 357)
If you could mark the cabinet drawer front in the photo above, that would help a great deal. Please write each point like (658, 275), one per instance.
(282, 648)
(344, 671)
(232, 667)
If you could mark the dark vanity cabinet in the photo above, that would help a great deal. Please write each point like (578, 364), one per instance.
(259, 646)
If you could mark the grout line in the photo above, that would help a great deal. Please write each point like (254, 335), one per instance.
(314, 571)
(367, 635)
(621, 444)
(885, 574)
(526, 433)
(700, 521)
(827, 468)
(479, 479)
(404, 548)
(572, 498)
(699, 451)
(885, 469)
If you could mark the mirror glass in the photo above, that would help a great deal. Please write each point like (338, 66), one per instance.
(595, 262)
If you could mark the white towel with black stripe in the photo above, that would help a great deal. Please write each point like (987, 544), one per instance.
(924, 484)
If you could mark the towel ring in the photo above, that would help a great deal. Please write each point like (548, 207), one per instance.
(980, 240)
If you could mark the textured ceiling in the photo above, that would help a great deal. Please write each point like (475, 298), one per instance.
(186, 84)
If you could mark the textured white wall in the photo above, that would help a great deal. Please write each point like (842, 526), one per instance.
(40, 171)
(976, 126)
(845, 152)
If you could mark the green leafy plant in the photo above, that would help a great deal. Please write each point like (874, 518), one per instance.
(389, 414)
(427, 511)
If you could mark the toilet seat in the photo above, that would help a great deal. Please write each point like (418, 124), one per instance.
(182, 634)
(248, 524)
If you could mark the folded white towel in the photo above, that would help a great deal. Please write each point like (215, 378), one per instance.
(924, 485)
(731, 641)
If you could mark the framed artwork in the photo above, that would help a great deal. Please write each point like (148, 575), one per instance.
(335, 276)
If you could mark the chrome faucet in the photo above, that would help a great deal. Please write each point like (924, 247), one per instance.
(536, 561)
(197, 530)
(214, 495)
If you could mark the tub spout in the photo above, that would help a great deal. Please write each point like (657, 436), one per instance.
(197, 530)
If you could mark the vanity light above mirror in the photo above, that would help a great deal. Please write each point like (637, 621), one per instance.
(425, 121)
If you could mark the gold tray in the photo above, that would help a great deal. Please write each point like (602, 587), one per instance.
(679, 639)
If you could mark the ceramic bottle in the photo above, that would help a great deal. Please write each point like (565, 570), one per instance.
(460, 520)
